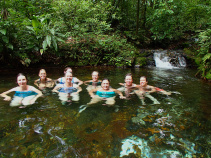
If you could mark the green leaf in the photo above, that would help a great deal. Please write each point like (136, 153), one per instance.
(55, 44)
(60, 40)
(44, 44)
(4, 31)
(10, 46)
(5, 39)
(206, 57)
(35, 23)
(48, 39)
(30, 28)
(52, 31)
(41, 51)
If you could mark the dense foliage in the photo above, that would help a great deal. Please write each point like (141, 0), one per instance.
(101, 32)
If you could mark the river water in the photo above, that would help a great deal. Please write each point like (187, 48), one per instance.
(177, 127)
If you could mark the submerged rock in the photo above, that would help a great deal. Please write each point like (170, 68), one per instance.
(139, 147)
(133, 142)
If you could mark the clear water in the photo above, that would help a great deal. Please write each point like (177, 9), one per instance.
(177, 127)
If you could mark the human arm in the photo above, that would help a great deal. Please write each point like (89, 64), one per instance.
(79, 89)
(165, 92)
(153, 89)
(120, 93)
(91, 93)
(56, 89)
(86, 82)
(162, 91)
(51, 83)
(36, 82)
(39, 94)
(4, 94)
(58, 81)
(77, 80)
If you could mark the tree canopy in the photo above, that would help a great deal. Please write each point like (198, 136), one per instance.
(99, 32)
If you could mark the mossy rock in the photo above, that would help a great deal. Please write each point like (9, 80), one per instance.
(141, 61)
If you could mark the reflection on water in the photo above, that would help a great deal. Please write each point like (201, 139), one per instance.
(178, 127)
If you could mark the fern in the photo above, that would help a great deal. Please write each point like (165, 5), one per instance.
(206, 57)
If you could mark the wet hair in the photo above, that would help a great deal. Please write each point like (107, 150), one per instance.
(42, 70)
(65, 70)
(21, 74)
(144, 77)
(106, 79)
(96, 72)
(128, 74)
(69, 73)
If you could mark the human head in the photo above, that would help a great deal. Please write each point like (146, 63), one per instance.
(95, 76)
(21, 79)
(128, 79)
(67, 69)
(143, 81)
(42, 74)
(105, 84)
(68, 77)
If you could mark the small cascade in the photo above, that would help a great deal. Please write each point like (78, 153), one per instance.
(169, 60)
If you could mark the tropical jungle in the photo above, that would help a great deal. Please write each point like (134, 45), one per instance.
(103, 32)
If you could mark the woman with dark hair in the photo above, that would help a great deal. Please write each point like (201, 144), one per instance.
(94, 83)
(43, 82)
(75, 80)
(68, 89)
(105, 92)
(24, 94)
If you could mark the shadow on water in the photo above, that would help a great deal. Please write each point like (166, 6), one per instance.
(179, 126)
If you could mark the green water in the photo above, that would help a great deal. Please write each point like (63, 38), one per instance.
(181, 122)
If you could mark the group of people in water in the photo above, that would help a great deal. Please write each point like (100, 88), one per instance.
(68, 88)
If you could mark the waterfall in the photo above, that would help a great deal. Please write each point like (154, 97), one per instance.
(169, 60)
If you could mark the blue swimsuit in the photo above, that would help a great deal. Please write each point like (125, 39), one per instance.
(95, 83)
(68, 89)
(24, 94)
(105, 94)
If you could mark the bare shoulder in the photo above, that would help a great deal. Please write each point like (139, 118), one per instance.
(49, 79)
(148, 86)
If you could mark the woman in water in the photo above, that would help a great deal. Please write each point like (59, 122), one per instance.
(105, 92)
(68, 89)
(94, 83)
(43, 82)
(24, 94)
(75, 80)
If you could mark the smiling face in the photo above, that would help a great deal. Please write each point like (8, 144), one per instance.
(95, 76)
(42, 74)
(105, 85)
(21, 80)
(143, 81)
(128, 80)
(68, 77)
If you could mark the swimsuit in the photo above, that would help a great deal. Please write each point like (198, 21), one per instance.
(24, 94)
(95, 83)
(67, 89)
(158, 89)
(105, 94)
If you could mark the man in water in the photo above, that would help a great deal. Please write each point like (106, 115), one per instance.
(144, 90)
